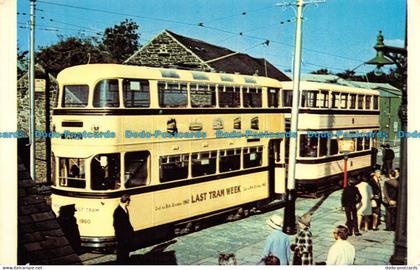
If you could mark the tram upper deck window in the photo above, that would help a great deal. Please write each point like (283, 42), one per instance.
(230, 160)
(172, 94)
(136, 168)
(323, 99)
(273, 97)
(352, 101)
(360, 102)
(309, 99)
(75, 95)
(105, 172)
(136, 93)
(72, 173)
(203, 163)
(335, 100)
(202, 95)
(173, 167)
(106, 94)
(308, 146)
(252, 97)
(229, 96)
(375, 102)
(253, 156)
(367, 103)
(343, 101)
(287, 98)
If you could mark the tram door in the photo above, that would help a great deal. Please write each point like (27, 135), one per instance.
(277, 171)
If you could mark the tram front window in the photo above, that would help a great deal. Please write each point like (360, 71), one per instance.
(72, 173)
(105, 172)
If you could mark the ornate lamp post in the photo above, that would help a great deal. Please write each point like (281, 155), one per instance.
(387, 55)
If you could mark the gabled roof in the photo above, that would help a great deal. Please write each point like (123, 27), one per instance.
(222, 59)
(229, 61)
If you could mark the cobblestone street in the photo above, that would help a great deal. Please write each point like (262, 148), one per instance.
(245, 238)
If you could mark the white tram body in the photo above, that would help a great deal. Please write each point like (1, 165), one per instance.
(326, 113)
(116, 127)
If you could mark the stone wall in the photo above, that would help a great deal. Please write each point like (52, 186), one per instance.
(164, 51)
(40, 123)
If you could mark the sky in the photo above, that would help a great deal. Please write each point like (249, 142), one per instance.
(337, 34)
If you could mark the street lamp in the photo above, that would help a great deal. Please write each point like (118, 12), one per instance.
(387, 55)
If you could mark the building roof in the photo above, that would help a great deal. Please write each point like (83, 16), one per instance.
(225, 60)
(40, 238)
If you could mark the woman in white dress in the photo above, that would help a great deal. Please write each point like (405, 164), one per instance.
(364, 209)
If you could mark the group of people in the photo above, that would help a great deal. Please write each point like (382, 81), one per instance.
(278, 250)
(362, 200)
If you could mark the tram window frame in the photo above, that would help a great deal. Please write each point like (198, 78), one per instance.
(273, 97)
(73, 181)
(180, 90)
(335, 100)
(79, 89)
(105, 94)
(323, 99)
(229, 96)
(308, 147)
(251, 97)
(376, 102)
(142, 174)
(352, 101)
(368, 101)
(309, 99)
(360, 102)
(202, 90)
(343, 100)
(203, 163)
(252, 156)
(143, 91)
(173, 167)
(229, 160)
(111, 178)
(287, 98)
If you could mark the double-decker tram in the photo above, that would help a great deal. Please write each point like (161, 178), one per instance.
(183, 144)
(328, 113)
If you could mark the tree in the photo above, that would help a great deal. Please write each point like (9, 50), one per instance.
(347, 74)
(322, 71)
(70, 52)
(122, 40)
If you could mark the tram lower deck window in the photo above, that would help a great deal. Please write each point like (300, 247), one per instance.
(203, 163)
(105, 172)
(230, 160)
(173, 167)
(72, 173)
(136, 168)
(308, 146)
(253, 157)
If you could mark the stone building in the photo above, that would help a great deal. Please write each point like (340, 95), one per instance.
(171, 50)
(44, 102)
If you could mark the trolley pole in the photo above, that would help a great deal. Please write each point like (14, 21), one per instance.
(32, 91)
(289, 225)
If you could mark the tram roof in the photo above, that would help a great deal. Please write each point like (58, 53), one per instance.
(307, 85)
(93, 72)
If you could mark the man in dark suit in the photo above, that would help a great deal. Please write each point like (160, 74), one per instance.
(390, 199)
(349, 199)
(123, 230)
(387, 158)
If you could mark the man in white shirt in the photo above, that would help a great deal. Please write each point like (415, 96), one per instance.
(341, 252)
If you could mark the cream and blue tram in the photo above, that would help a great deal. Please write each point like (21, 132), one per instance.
(183, 144)
(328, 113)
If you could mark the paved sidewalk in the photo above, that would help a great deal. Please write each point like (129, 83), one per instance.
(246, 239)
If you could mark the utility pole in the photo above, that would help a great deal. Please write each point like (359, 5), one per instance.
(32, 91)
(289, 225)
